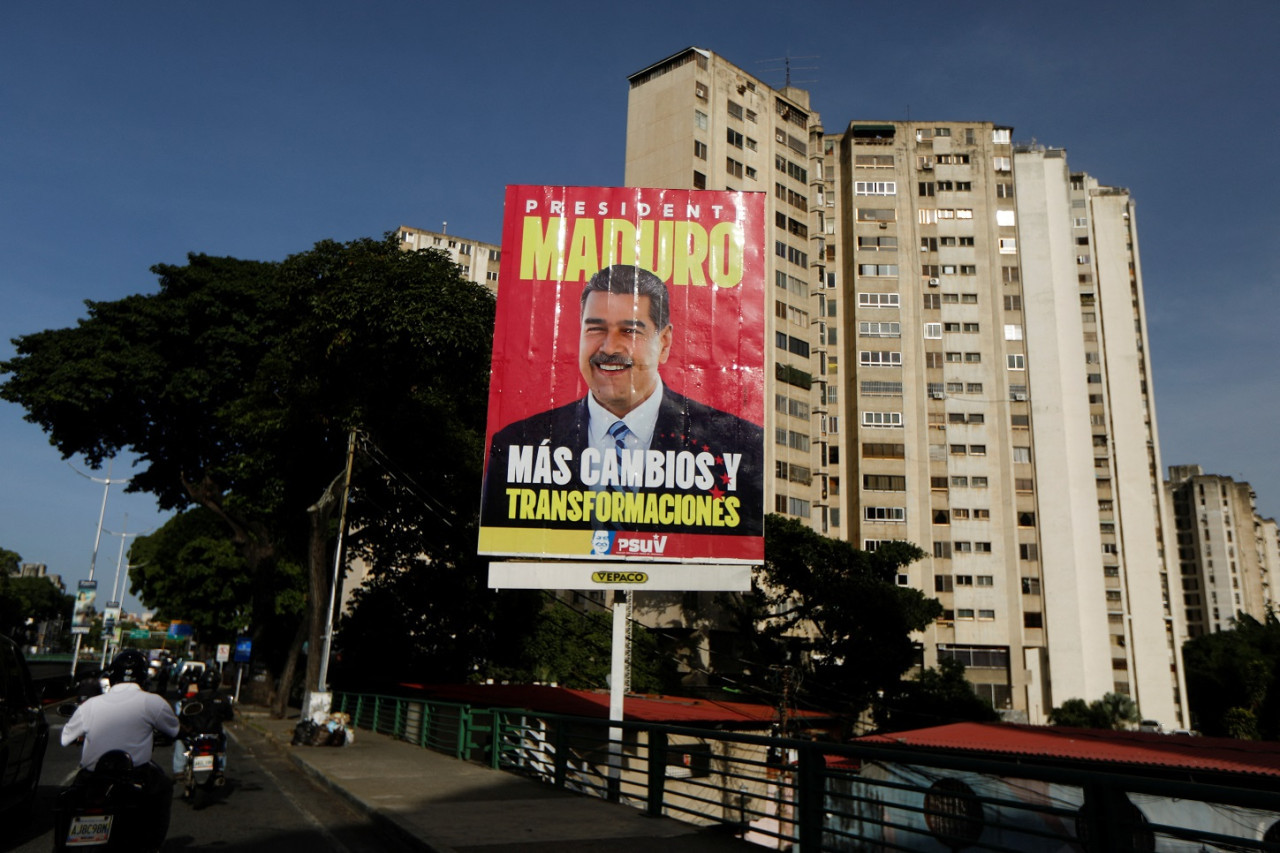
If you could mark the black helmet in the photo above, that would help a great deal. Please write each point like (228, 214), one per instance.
(210, 679)
(129, 665)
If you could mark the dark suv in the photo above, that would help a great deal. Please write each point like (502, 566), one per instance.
(24, 733)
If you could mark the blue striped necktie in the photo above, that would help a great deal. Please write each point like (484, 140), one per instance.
(619, 431)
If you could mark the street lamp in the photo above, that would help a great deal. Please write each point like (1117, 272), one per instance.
(107, 483)
(116, 592)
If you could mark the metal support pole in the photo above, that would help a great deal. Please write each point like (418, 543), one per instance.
(97, 540)
(115, 586)
(617, 690)
(337, 566)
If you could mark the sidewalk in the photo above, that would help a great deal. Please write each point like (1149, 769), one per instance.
(451, 806)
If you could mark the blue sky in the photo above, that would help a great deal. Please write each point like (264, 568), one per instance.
(134, 133)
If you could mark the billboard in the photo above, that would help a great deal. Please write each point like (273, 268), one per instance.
(84, 610)
(627, 392)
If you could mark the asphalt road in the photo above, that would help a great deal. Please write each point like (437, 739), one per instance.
(267, 804)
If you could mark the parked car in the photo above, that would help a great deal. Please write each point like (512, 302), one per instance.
(24, 735)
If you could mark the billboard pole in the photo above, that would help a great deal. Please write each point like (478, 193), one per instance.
(618, 678)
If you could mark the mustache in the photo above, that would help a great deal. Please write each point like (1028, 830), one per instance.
(614, 360)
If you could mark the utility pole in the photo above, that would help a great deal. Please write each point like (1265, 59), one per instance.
(337, 565)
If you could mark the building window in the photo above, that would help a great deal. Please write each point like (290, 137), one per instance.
(885, 513)
(1008, 245)
(1032, 619)
(879, 300)
(879, 330)
(884, 483)
(700, 119)
(875, 188)
(699, 150)
(881, 419)
(1016, 361)
(733, 167)
(699, 181)
(879, 358)
(880, 450)
(878, 269)
(933, 331)
(733, 137)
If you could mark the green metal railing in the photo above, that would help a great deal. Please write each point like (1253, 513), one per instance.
(835, 797)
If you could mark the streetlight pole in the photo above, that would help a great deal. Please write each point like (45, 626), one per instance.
(114, 601)
(107, 483)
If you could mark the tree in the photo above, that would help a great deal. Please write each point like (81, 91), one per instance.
(934, 697)
(192, 570)
(36, 599)
(1233, 679)
(1112, 711)
(834, 612)
(238, 383)
(574, 649)
(10, 562)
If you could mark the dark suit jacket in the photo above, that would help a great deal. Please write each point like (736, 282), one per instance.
(682, 424)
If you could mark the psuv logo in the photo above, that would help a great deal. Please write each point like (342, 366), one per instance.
(654, 544)
(619, 577)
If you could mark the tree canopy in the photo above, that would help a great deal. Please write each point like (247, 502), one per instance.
(833, 612)
(1113, 711)
(934, 697)
(237, 385)
(1233, 679)
(36, 599)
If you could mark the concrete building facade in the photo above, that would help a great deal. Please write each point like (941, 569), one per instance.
(959, 362)
(479, 261)
(1226, 552)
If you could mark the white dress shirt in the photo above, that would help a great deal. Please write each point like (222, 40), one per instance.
(122, 718)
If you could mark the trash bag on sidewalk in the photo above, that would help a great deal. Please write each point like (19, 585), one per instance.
(334, 731)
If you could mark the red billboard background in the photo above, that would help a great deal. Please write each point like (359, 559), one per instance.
(717, 350)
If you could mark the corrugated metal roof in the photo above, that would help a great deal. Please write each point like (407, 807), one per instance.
(675, 710)
(1173, 752)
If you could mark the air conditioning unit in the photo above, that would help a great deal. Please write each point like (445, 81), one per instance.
(1018, 396)
(937, 395)
(928, 167)
(933, 282)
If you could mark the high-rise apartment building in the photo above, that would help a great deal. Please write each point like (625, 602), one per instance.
(479, 261)
(960, 362)
(695, 121)
(1226, 551)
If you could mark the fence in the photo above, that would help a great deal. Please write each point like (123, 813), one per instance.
(811, 797)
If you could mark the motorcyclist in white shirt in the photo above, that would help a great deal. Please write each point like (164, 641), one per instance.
(126, 717)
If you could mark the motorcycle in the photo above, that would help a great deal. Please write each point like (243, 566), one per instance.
(112, 806)
(108, 807)
(206, 757)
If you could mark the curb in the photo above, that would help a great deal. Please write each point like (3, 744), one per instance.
(376, 816)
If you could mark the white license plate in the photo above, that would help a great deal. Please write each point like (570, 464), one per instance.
(88, 830)
(202, 762)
